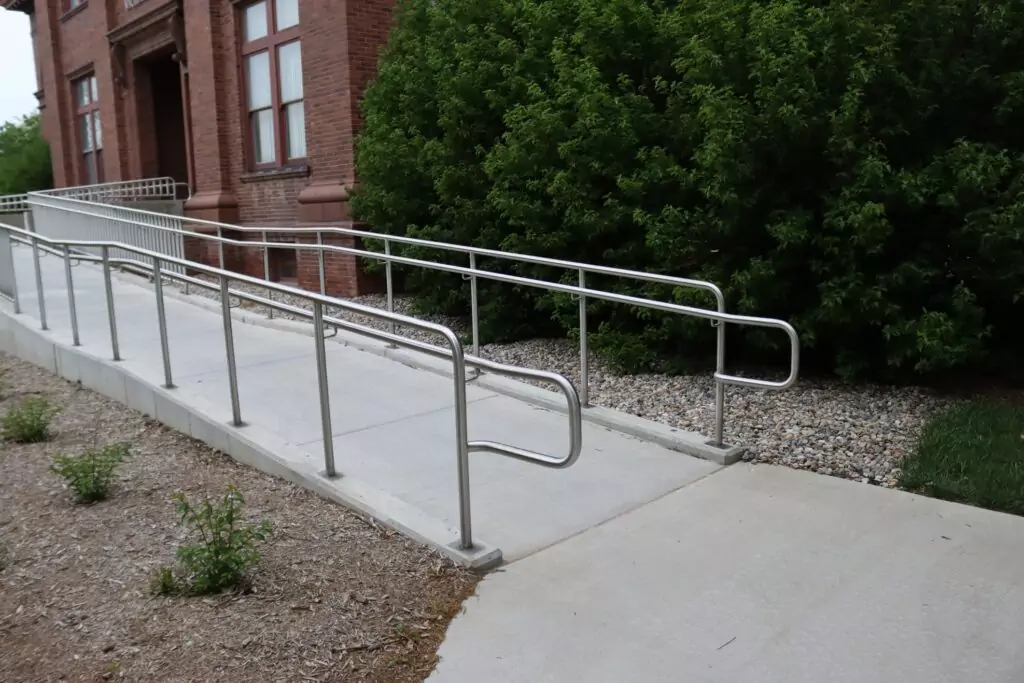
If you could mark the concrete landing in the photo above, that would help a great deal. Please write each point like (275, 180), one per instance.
(758, 575)
(393, 425)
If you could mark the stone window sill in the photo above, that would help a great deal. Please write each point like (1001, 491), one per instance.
(72, 12)
(275, 174)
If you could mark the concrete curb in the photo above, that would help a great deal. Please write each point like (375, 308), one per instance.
(192, 415)
(680, 440)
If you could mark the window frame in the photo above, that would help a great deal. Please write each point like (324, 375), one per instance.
(271, 44)
(89, 113)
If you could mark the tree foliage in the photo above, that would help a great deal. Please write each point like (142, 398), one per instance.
(24, 157)
(853, 167)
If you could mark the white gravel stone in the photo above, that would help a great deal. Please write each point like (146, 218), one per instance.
(859, 432)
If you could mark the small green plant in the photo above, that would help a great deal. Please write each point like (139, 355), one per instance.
(29, 421)
(226, 548)
(163, 582)
(90, 474)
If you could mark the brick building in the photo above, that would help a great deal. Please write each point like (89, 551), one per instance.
(253, 103)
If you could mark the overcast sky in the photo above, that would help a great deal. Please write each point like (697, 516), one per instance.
(18, 82)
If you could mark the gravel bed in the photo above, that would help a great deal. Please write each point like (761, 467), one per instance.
(334, 598)
(857, 432)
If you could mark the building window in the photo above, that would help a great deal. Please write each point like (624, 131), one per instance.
(90, 132)
(272, 57)
(71, 4)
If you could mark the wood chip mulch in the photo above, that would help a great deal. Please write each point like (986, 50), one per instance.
(334, 598)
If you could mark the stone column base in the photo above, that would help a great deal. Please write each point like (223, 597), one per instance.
(325, 203)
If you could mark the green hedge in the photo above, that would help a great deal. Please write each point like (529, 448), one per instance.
(854, 167)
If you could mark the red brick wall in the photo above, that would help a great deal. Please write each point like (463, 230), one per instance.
(340, 44)
(343, 273)
(370, 23)
(47, 46)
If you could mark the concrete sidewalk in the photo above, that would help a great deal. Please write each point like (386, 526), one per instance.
(758, 575)
(393, 425)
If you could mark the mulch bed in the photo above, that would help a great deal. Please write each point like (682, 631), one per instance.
(334, 598)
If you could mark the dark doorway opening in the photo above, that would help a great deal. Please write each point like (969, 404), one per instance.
(161, 110)
(284, 265)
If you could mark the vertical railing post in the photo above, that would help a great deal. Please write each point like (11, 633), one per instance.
(109, 288)
(202, 248)
(14, 277)
(719, 385)
(325, 396)
(161, 317)
(179, 244)
(229, 342)
(584, 351)
(30, 225)
(320, 262)
(266, 273)
(72, 310)
(474, 306)
(389, 279)
(462, 445)
(220, 248)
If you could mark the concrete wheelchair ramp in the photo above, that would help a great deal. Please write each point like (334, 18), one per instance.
(393, 425)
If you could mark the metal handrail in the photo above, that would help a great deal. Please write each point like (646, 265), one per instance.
(454, 351)
(148, 188)
(581, 291)
(572, 400)
(13, 203)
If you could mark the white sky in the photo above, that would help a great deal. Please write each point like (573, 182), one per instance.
(18, 82)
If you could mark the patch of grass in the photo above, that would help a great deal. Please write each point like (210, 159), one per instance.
(28, 421)
(972, 453)
(225, 551)
(90, 474)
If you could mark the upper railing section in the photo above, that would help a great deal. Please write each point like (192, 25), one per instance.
(121, 191)
(14, 203)
(94, 219)
(116, 192)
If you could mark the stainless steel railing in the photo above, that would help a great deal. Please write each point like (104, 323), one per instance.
(123, 190)
(127, 190)
(146, 220)
(8, 281)
(82, 250)
(13, 203)
(49, 218)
